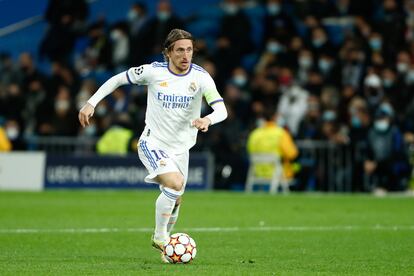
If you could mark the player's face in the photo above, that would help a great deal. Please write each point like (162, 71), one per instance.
(180, 56)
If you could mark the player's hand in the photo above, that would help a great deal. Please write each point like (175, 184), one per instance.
(85, 113)
(202, 124)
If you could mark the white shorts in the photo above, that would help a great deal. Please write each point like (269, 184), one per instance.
(159, 160)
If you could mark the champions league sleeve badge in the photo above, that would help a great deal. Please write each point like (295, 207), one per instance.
(139, 70)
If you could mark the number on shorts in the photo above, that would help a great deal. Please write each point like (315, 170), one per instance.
(161, 152)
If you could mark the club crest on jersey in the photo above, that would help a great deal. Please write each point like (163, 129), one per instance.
(193, 87)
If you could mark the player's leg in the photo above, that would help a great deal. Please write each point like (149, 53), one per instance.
(174, 216)
(171, 189)
(182, 161)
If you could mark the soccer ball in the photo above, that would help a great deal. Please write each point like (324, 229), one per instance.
(180, 249)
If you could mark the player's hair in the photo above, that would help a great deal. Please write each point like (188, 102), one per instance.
(173, 36)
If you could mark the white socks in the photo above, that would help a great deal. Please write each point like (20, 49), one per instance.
(173, 218)
(163, 209)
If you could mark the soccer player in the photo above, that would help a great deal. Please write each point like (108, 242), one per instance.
(175, 91)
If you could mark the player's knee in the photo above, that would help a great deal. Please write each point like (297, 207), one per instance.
(176, 182)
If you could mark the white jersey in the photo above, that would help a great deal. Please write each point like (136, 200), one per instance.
(173, 102)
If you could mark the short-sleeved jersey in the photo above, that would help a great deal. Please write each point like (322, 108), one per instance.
(173, 102)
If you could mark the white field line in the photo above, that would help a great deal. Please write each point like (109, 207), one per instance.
(215, 229)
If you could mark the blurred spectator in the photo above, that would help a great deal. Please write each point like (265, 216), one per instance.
(304, 66)
(310, 126)
(229, 152)
(14, 134)
(234, 39)
(5, 144)
(158, 27)
(63, 121)
(28, 71)
(138, 20)
(37, 107)
(331, 129)
(272, 139)
(293, 102)
(66, 20)
(116, 140)
(98, 53)
(390, 21)
(278, 24)
(8, 72)
(119, 101)
(386, 162)
(13, 102)
(62, 74)
(359, 123)
(320, 43)
(353, 68)
(328, 69)
(120, 47)
(87, 89)
(373, 91)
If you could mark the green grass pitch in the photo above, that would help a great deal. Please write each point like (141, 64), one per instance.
(108, 233)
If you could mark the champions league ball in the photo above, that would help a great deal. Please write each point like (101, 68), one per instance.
(181, 249)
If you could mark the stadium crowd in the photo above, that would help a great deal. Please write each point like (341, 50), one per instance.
(335, 70)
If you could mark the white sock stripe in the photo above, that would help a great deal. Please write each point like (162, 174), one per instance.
(217, 229)
(169, 194)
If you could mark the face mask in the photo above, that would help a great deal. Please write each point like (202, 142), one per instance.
(318, 42)
(239, 80)
(115, 35)
(402, 67)
(12, 133)
(273, 47)
(101, 110)
(132, 15)
(163, 15)
(62, 105)
(375, 44)
(387, 83)
(329, 116)
(356, 122)
(305, 62)
(230, 9)
(273, 9)
(409, 79)
(90, 130)
(381, 125)
(324, 65)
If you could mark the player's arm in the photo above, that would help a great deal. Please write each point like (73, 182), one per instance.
(219, 114)
(214, 99)
(136, 75)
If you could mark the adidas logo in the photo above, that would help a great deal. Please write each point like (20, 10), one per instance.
(163, 84)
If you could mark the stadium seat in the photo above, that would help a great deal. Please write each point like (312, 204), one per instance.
(275, 182)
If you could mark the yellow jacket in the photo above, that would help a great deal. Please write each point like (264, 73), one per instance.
(5, 144)
(272, 139)
(114, 141)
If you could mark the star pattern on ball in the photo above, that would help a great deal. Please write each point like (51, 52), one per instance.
(189, 248)
(175, 258)
(173, 241)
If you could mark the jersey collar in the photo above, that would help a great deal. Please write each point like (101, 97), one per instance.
(180, 75)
